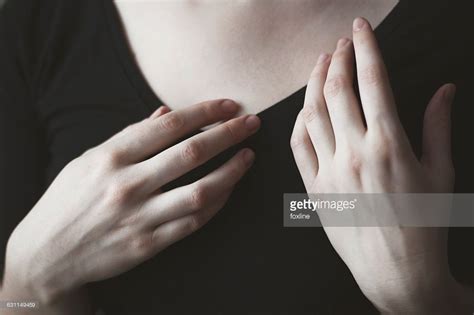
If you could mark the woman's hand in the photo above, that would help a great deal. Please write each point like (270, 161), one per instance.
(342, 146)
(105, 213)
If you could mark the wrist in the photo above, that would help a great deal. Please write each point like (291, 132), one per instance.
(28, 281)
(46, 294)
(17, 286)
(73, 302)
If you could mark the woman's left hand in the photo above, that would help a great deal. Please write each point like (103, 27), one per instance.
(342, 146)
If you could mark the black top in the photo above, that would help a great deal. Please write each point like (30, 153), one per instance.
(68, 82)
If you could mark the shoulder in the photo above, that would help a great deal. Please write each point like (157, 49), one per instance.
(35, 34)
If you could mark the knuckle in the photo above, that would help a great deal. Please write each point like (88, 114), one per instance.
(385, 129)
(141, 244)
(194, 223)
(231, 131)
(309, 114)
(199, 197)
(381, 132)
(311, 111)
(381, 150)
(130, 220)
(383, 120)
(336, 85)
(296, 141)
(193, 152)
(372, 74)
(353, 161)
(110, 158)
(171, 122)
(119, 193)
(210, 109)
(317, 73)
(339, 55)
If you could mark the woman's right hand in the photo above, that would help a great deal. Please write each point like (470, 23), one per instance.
(105, 213)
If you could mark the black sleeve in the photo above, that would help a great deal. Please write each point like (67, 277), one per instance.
(21, 156)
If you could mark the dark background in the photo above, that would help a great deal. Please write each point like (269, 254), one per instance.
(406, 79)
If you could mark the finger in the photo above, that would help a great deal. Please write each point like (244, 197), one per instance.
(189, 154)
(171, 232)
(437, 131)
(303, 152)
(315, 113)
(199, 195)
(160, 131)
(157, 113)
(342, 103)
(160, 111)
(374, 85)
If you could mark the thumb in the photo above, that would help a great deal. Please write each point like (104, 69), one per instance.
(437, 133)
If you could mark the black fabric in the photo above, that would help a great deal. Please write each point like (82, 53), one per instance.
(68, 82)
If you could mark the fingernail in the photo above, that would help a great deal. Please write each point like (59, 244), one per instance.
(359, 24)
(252, 122)
(449, 93)
(229, 106)
(342, 42)
(248, 156)
(323, 58)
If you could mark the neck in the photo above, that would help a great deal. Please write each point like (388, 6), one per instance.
(255, 51)
(249, 21)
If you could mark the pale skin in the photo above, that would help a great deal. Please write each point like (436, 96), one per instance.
(116, 216)
(401, 270)
(254, 52)
(106, 213)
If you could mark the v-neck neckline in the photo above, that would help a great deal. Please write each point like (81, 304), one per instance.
(144, 89)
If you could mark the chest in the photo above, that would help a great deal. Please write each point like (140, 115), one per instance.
(191, 54)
